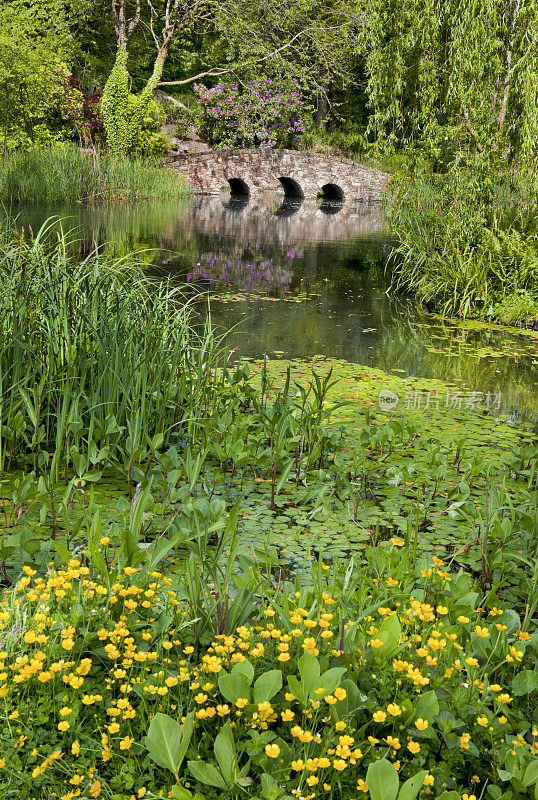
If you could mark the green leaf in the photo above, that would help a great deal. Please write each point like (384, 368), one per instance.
(531, 773)
(234, 686)
(382, 780)
(245, 669)
(449, 796)
(267, 685)
(225, 753)
(207, 773)
(310, 673)
(525, 682)
(167, 742)
(428, 706)
(412, 787)
(389, 633)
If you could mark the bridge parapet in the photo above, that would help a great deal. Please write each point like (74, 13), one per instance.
(299, 173)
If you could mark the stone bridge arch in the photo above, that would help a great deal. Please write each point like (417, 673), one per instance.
(300, 174)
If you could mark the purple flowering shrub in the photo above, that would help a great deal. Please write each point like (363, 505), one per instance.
(263, 113)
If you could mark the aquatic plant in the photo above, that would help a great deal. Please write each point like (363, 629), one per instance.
(68, 174)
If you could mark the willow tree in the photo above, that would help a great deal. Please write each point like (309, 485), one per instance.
(457, 71)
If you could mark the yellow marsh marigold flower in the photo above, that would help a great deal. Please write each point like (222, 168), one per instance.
(465, 738)
(482, 720)
(429, 780)
(340, 693)
(379, 716)
(287, 715)
(463, 619)
(442, 610)
(241, 702)
(421, 724)
(397, 542)
(394, 709)
(63, 726)
(75, 748)
(376, 643)
(330, 699)
(339, 764)
(413, 747)
(65, 711)
(272, 750)
(95, 789)
(482, 632)
(126, 743)
(298, 766)
(361, 786)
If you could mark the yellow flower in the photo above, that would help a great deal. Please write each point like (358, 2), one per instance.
(482, 720)
(429, 780)
(298, 766)
(126, 743)
(394, 709)
(95, 789)
(482, 632)
(272, 750)
(397, 542)
(75, 748)
(287, 715)
(241, 702)
(379, 716)
(464, 741)
(340, 693)
(421, 724)
(413, 747)
(330, 699)
(63, 726)
(463, 619)
(65, 711)
(201, 698)
(442, 610)
(361, 786)
(339, 764)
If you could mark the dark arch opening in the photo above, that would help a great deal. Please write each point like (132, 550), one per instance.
(291, 187)
(331, 191)
(288, 207)
(238, 187)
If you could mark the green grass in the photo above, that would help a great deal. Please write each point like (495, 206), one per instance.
(94, 357)
(68, 174)
(466, 246)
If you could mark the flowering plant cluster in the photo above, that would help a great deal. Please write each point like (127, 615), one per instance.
(346, 685)
(261, 113)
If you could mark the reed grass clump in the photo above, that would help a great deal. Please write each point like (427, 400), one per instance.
(68, 174)
(94, 357)
(464, 249)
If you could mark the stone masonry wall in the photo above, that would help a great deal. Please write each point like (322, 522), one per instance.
(262, 170)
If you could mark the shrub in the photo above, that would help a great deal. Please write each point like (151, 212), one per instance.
(262, 113)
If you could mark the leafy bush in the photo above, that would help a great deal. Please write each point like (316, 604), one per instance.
(361, 681)
(262, 113)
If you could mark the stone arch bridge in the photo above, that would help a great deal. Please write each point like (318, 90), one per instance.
(298, 173)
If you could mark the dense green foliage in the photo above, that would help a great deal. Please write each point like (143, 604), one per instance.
(463, 249)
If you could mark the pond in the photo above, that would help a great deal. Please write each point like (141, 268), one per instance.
(302, 280)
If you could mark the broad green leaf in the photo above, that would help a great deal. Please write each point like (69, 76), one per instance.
(427, 706)
(382, 780)
(412, 787)
(225, 753)
(531, 773)
(525, 682)
(267, 685)
(296, 689)
(245, 669)
(207, 773)
(310, 673)
(233, 687)
(166, 742)
(389, 633)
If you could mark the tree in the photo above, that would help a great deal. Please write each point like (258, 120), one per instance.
(280, 37)
(460, 72)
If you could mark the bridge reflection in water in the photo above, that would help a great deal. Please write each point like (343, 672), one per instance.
(284, 221)
(264, 245)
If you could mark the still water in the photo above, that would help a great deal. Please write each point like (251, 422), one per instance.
(298, 279)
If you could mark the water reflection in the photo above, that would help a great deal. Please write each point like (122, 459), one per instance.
(324, 266)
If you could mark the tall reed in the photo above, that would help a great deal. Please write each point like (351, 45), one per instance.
(96, 361)
(69, 174)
